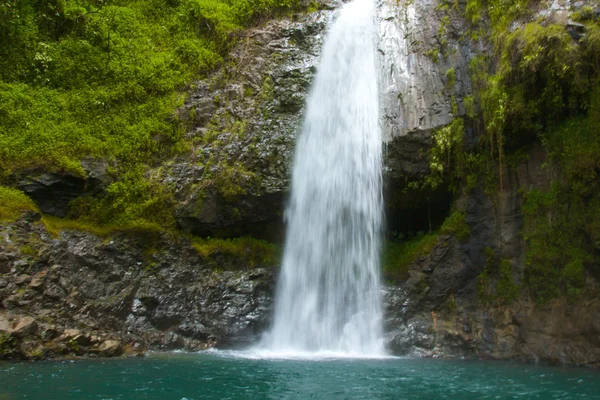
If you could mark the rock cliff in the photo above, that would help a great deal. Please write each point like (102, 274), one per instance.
(82, 293)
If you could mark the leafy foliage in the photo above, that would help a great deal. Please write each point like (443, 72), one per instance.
(102, 79)
(446, 154)
(397, 255)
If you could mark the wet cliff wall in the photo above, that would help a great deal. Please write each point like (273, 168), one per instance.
(475, 264)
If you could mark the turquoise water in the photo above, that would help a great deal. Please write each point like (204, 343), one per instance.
(222, 376)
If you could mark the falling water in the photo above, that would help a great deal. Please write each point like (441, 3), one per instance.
(327, 296)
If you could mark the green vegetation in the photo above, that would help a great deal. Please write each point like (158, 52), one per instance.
(8, 346)
(541, 84)
(496, 284)
(54, 226)
(450, 78)
(102, 79)
(134, 202)
(546, 88)
(446, 156)
(13, 202)
(456, 225)
(562, 225)
(398, 255)
(27, 250)
(253, 251)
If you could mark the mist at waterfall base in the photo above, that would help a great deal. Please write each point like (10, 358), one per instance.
(327, 298)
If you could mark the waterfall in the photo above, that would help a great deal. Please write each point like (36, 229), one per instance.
(327, 296)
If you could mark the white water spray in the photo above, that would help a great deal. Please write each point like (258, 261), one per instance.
(328, 297)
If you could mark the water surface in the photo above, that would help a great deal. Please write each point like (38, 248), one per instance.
(224, 376)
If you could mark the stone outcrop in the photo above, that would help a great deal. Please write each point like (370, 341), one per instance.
(439, 312)
(52, 191)
(244, 120)
(82, 294)
(424, 69)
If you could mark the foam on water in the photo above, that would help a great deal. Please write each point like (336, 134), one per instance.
(328, 301)
(265, 354)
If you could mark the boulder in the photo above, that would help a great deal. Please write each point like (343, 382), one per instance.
(25, 327)
(38, 280)
(110, 348)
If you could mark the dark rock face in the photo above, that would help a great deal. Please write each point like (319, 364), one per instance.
(123, 294)
(437, 312)
(52, 192)
(245, 119)
(80, 294)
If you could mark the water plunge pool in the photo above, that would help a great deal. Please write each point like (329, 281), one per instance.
(226, 375)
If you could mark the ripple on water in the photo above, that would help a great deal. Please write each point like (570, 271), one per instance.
(234, 374)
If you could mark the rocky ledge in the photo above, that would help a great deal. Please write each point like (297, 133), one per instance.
(81, 294)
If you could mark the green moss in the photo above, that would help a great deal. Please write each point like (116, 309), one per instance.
(13, 202)
(313, 6)
(562, 225)
(8, 346)
(456, 225)
(133, 202)
(469, 106)
(473, 11)
(557, 230)
(495, 284)
(398, 255)
(266, 91)
(27, 250)
(585, 14)
(450, 78)
(433, 54)
(507, 290)
(254, 252)
(54, 226)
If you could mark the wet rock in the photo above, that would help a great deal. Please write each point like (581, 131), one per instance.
(54, 292)
(254, 107)
(103, 289)
(34, 351)
(415, 54)
(50, 332)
